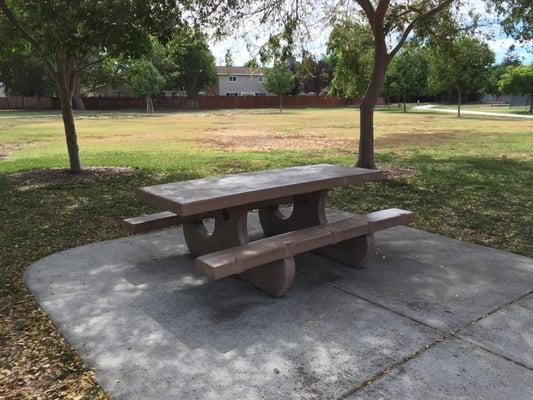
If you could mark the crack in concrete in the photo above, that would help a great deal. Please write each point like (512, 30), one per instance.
(445, 335)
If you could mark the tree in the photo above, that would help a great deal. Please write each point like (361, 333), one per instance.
(314, 76)
(497, 70)
(351, 50)
(391, 24)
(22, 75)
(195, 63)
(63, 34)
(144, 80)
(279, 80)
(459, 66)
(228, 58)
(518, 80)
(408, 73)
(252, 63)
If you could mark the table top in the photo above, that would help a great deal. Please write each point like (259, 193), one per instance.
(210, 194)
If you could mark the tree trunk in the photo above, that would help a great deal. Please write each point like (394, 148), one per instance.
(65, 98)
(76, 92)
(149, 105)
(280, 102)
(531, 103)
(365, 158)
(404, 105)
(459, 104)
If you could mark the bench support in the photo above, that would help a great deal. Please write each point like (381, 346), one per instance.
(351, 252)
(230, 230)
(274, 278)
(310, 210)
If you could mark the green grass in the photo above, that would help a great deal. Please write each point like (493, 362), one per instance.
(468, 178)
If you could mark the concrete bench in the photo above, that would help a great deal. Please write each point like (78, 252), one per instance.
(269, 264)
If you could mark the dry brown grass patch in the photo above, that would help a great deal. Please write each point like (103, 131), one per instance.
(270, 142)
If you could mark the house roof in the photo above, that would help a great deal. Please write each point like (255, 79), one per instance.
(240, 71)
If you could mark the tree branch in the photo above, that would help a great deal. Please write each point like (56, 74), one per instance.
(367, 7)
(381, 9)
(411, 26)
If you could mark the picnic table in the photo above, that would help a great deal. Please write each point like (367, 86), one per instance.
(267, 263)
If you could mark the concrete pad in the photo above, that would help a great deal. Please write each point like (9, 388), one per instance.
(453, 370)
(154, 329)
(442, 282)
(508, 331)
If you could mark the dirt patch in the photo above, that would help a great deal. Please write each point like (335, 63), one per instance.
(395, 172)
(400, 139)
(276, 142)
(60, 176)
(9, 148)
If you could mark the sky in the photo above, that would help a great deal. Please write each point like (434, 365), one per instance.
(243, 49)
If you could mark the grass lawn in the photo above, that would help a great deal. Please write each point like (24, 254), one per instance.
(469, 178)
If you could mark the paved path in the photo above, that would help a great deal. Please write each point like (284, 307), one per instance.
(429, 318)
(468, 112)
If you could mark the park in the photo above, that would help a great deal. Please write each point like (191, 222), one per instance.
(349, 224)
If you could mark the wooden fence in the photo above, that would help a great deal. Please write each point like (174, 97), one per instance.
(199, 102)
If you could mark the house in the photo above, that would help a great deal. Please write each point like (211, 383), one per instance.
(240, 81)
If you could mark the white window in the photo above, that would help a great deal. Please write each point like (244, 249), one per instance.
(232, 78)
(231, 94)
(260, 79)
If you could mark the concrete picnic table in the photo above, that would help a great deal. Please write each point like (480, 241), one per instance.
(267, 263)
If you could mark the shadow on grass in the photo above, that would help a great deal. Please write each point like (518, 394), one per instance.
(479, 199)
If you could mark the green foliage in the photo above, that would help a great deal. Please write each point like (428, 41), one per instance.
(195, 64)
(184, 62)
(23, 75)
(516, 17)
(228, 58)
(350, 48)
(517, 80)
(279, 80)
(62, 28)
(143, 78)
(252, 63)
(408, 72)
(314, 75)
(459, 65)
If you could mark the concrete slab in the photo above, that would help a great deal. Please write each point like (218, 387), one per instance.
(508, 331)
(442, 282)
(452, 370)
(154, 329)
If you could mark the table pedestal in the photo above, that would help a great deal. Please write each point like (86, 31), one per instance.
(231, 230)
(310, 210)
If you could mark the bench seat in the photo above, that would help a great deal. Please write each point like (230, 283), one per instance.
(150, 222)
(237, 260)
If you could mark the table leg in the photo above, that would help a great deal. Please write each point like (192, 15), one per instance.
(230, 230)
(274, 278)
(309, 210)
(351, 252)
